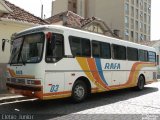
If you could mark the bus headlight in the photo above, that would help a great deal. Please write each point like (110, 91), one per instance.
(34, 82)
(8, 79)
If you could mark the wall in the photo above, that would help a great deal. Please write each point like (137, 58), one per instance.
(59, 6)
(110, 11)
(81, 7)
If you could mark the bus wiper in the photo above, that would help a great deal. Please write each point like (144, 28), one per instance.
(23, 62)
(19, 56)
(14, 57)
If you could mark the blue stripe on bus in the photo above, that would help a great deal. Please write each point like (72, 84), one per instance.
(99, 67)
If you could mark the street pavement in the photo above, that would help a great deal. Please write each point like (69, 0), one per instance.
(5, 96)
(126, 104)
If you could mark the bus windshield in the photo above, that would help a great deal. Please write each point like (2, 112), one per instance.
(27, 49)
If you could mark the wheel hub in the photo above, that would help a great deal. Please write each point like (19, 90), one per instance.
(79, 91)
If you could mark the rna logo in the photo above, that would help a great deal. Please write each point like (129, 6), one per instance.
(114, 66)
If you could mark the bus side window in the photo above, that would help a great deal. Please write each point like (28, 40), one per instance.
(143, 55)
(95, 49)
(151, 56)
(105, 50)
(80, 47)
(119, 52)
(132, 54)
(55, 48)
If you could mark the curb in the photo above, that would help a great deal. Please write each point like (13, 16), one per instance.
(13, 98)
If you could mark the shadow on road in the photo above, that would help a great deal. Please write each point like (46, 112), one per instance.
(54, 108)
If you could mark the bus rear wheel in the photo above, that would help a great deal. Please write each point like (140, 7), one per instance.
(140, 84)
(79, 91)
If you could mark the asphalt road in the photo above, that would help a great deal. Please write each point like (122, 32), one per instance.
(126, 104)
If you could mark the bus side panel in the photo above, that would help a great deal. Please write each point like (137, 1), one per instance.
(118, 69)
(54, 82)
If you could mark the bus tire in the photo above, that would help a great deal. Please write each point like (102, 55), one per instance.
(79, 91)
(141, 83)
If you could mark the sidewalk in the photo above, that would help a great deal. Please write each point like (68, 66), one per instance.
(5, 96)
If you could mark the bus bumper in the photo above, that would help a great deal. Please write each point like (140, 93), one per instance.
(29, 91)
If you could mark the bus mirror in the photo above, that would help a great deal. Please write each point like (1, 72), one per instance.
(3, 44)
(49, 36)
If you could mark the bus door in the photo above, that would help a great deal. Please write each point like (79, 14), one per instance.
(54, 74)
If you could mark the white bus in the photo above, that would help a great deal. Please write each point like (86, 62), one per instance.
(53, 61)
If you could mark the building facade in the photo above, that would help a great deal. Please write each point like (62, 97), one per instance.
(73, 20)
(131, 17)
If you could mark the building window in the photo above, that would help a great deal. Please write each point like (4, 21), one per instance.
(141, 4)
(126, 33)
(132, 11)
(141, 26)
(127, 8)
(145, 17)
(149, 30)
(137, 37)
(145, 7)
(132, 23)
(145, 38)
(126, 21)
(149, 9)
(137, 3)
(141, 37)
(136, 25)
(137, 13)
(132, 34)
(149, 19)
(141, 15)
(145, 28)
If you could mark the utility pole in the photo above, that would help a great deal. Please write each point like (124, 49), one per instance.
(42, 11)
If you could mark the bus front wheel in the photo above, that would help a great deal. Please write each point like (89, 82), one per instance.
(140, 84)
(79, 91)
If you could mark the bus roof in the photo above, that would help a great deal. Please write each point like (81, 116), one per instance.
(63, 28)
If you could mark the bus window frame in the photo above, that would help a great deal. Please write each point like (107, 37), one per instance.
(113, 57)
(100, 49)
(63, 49)
(127, 53)
(144, 54)
(70, 44)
